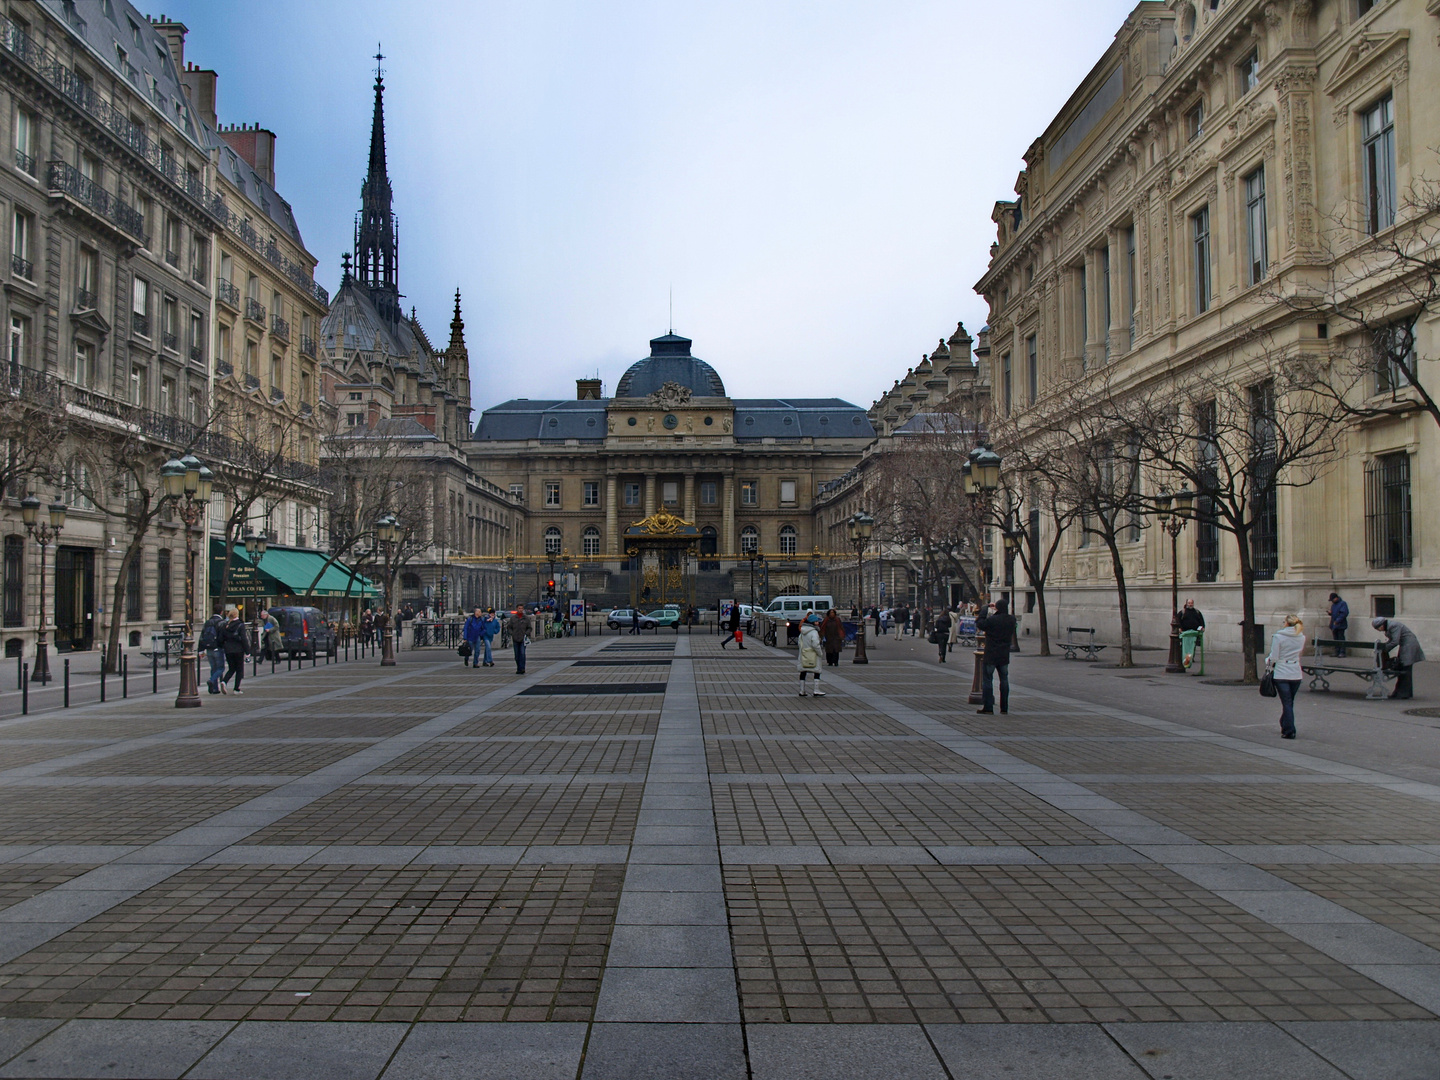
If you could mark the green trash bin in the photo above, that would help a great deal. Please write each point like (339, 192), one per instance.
(1190, 641)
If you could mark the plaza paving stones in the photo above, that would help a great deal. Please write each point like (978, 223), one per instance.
(433, 871)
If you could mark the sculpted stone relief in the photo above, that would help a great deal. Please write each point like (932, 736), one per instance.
(670, 396)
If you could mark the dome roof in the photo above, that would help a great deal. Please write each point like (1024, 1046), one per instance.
(670, 362)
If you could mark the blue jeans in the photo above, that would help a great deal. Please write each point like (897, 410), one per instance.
(1287, 689)
(488, 658)
(988, 690)
(217, 667)
(519, 656)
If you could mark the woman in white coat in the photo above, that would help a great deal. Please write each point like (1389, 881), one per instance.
(808, 660)
(1286, 648)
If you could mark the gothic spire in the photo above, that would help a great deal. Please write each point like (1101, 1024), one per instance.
(457, 326)
(376, 238)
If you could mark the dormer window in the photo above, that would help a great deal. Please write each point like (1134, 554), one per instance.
(1195, 121)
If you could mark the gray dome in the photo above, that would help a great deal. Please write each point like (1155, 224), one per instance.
(670, 362)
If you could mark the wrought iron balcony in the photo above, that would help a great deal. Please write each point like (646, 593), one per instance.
(279, 327)
(84, 300)
(307, 346)
(276, 394)
(22, 268)
(227, 294)
(65, 179)
(252, 382)
(197, 354)
(172, 257)
(24, 162)
(224, 369)
(170, 341)
(306, 408)
(255, 311)
(140, 323)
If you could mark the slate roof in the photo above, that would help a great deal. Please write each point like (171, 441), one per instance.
(796, 418)
(353, 321)
(670, 361)
(522, 418)
(257, 192)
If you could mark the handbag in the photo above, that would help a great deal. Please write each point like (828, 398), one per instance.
(464, 649)
(934, 637)
(1267, 684)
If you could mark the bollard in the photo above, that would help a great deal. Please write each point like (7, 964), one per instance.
(155, 671)
(102, 676)
(24, 689)
(19, 671)
(289, 660)
(254, 665)
(67, 682)
(124, 675)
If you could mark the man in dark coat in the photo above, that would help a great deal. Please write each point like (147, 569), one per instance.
(1339, 621)
(1190, 619)
(732, 623)
(1400, 639)
(998, 629)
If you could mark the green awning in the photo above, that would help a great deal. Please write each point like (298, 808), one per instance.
(283, 572)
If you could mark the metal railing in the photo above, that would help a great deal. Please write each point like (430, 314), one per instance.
(197, 354)
(279, 327)
(65, 179)
(85, 300)
(255, 311)
(307, 346)
(173, 258)
(272, 254)
(140, 323)
(170, 341)
(224, 368)
(24, 162)
(227, 293)
(252, 382)
(276, 394)
(22, 268)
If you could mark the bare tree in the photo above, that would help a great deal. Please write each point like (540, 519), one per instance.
(1028, 497)
(34, 424)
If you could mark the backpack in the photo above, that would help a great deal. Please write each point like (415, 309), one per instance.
(210, 636)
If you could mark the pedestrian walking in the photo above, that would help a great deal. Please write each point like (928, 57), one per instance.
(954, 635)
(1339, 622)
(832, 635)
(732, 623)
(1408, 653)
(998, 629)
(1190, 620)
(209, 644)
(489, 627)
(941, 634)
(900, 618)
(808, 657)
(471, 633)
(519, 638)
(235, 642)
(635, 620)
(1283, 663)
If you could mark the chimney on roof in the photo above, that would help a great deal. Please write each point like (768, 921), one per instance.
(256, 146)
(174, 35)
(587, 389)
(199, 84)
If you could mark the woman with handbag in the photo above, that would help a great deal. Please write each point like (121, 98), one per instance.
(1282, 666)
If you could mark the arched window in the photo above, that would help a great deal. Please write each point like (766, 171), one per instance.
(409, 581)
(749, 540)
(553, 540)
(162, 584)
(14, 581)
(590, 540)
(789, 540)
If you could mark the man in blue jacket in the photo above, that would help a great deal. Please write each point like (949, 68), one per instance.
(1339, 621)
(472, 631)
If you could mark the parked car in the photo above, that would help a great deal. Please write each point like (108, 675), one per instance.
(667, 617)
(625, 618)
(304, 632)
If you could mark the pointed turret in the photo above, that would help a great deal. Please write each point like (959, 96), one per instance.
(376, 238)
(457, 326)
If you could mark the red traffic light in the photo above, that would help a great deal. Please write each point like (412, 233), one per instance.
(550, 583)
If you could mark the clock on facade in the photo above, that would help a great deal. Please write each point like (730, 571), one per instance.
(671, 420)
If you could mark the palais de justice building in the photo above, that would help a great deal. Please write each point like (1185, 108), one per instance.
(745, 470)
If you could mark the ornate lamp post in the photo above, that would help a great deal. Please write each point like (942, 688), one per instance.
(189, 483)
(1173, 522)
(44, 533)
(981, 477)
(387, 532)
(755, 555)
(255, 545)
(862, 527)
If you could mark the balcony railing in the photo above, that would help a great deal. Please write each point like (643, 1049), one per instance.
(252, 382)
(224, 369)
(24, 162)
(79, 93)
(65, 179)
(279, 327)
(255, 311)
(276, 394)
(172, 257)
(170, 341)
(307, 346)
(84, 300)
(140, 323)
(197, 354)
(272, 254)
(227, 293)
(306, 408)
(22, 268)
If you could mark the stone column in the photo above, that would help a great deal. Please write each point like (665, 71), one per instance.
(689, 498)
(1118, 342)
(649, 494)
(728, 542)
(612, 532)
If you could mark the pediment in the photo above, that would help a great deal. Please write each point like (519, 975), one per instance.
(1366, 51)
(91, 320)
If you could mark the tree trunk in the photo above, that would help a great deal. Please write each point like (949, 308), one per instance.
(117, 602)
(1118, 567)
(1044, 618)
(1247, 606)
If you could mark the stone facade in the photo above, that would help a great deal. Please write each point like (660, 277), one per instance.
(1220, 160)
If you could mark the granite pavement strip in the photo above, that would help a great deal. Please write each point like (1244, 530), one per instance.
(668, 1004)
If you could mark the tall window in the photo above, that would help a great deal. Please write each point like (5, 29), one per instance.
(162, 584)
(749, 540)
(590, 540)
(517, 492)
(1207, 527)
(1387, 510)
(139, 386)
(787, 492)
(670, 492)
(749, 493)
(709, 548)
(1378, 131)
(1256, 245)
(1084, 321)
(170, 322)
(1248, 71)
(1200, 238)
(14, 581)
(1032, 369)
(24, 143)
(552, 493)
(1195, 121)
(134, 598)
(1105, 306)
(83, 371)
(196, 343)
(789, 540)
(20, 244)
(19, 337)
(1132, 487)
(1264, 501)
(1005, 396)
(632, 494)
(140, 307)
(553, 541)
(172, 240)
(1394, 356)
(708, 492)
(592, 493)
(87, 278)
(167, 395)
(1133, 293)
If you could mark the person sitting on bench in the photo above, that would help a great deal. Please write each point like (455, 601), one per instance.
(1190, 619)
(1408, 653)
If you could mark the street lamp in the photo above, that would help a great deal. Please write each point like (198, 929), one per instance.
(981, 478)
(387, 532)
(1173, 521)
(862, 527)
(755, 555)
(189, 483)
(43, 533)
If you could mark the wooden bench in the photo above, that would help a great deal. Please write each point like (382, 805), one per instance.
(1081, 650)
(1369, 665)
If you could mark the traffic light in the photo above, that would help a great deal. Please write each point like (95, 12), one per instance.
(550, 587)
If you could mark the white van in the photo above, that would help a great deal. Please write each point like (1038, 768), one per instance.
(795, 607)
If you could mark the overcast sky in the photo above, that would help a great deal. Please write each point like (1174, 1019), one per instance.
(813, 180)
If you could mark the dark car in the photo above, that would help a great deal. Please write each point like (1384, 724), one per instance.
(304, 631)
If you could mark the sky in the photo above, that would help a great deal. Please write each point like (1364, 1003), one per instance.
(811, 182)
